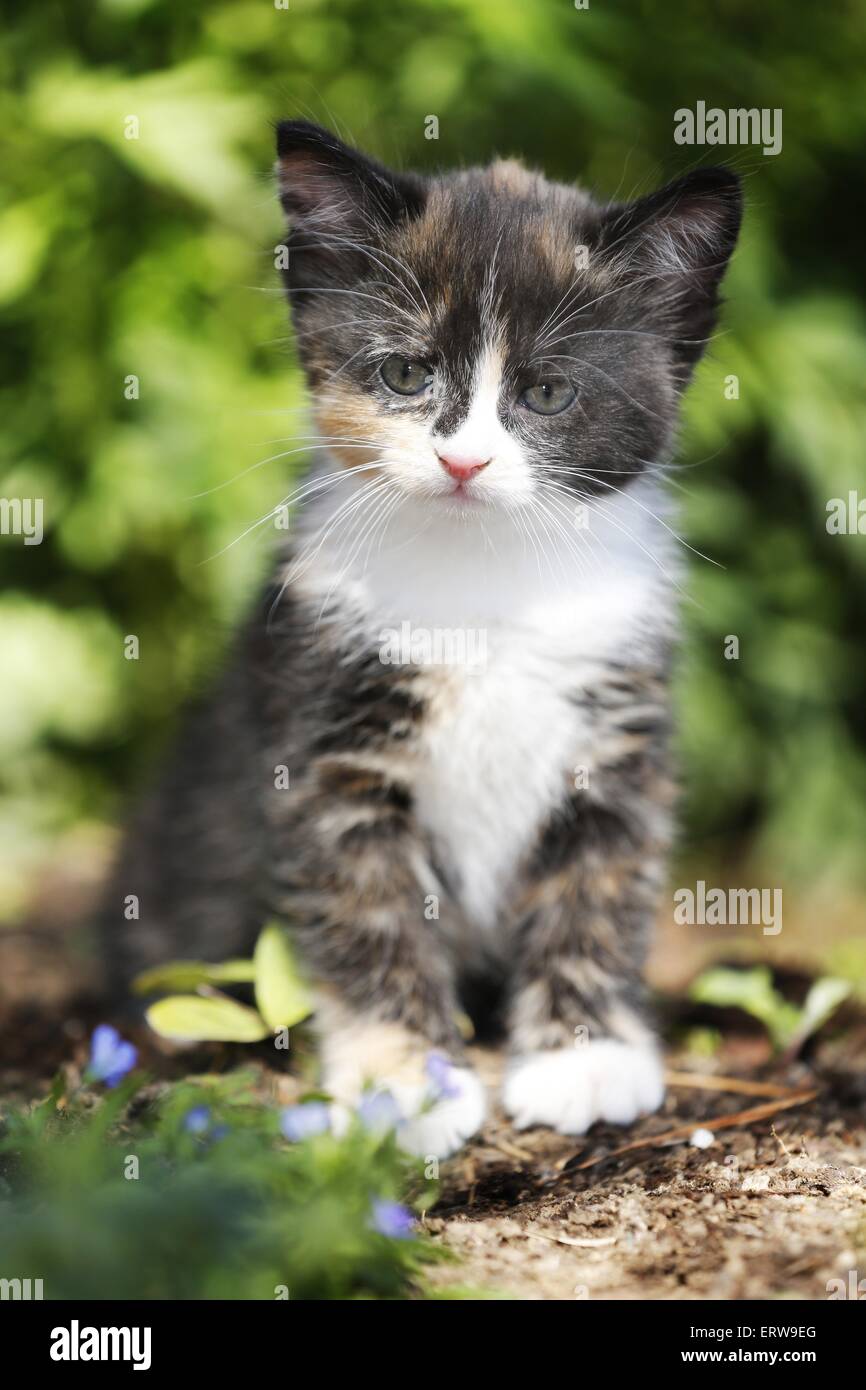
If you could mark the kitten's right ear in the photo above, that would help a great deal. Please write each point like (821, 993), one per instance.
(327, 186)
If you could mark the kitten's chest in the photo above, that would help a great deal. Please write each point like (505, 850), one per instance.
(497, 745)
(497, 756)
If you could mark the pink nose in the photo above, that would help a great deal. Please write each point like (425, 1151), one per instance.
(462, 467)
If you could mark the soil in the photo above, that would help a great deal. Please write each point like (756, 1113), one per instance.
(773, 1207)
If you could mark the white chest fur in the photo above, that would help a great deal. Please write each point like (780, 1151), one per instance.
(497, 754)
(503, 739)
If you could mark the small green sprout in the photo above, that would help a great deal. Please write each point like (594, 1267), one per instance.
(753, 991)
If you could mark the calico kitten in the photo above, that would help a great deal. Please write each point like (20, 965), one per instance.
(462, 659)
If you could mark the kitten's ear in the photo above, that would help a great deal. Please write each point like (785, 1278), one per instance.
(687, 228)
(670, 250)
(327, 186)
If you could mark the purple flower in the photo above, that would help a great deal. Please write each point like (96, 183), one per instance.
(443, 1077)
(197, 1120)
(111, 1057)
(378, 1111)
(392, 1219)
(299, 1122)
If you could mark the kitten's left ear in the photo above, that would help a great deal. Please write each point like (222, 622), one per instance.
(687, 228)
(326, 186)
(672, 247)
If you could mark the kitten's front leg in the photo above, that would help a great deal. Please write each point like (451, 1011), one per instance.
(356, 887)
(582, 1049)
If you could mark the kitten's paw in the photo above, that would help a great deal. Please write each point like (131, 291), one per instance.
(569, 1088)
(439, 1129)
(432, 1118)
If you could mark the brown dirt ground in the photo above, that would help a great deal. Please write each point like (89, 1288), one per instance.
(773, 1208)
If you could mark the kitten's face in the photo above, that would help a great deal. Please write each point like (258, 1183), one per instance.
(488, 338)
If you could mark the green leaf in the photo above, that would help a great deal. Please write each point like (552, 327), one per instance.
(180, 976)
(196, 1018)
(281, 994)
(848, 959)
(751, 990)
(823, 999)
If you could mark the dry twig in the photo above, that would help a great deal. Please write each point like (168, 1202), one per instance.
(740, 1117)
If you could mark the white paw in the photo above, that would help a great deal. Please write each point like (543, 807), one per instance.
(427, 1122)
(569, 1088)
(390, 1078)
(439, 1128)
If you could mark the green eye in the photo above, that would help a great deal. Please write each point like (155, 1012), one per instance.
(548, 397)
(405, 377)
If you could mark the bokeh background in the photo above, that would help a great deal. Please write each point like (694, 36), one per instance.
(154, 257)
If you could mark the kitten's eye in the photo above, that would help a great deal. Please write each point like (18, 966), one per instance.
(405, 377)
(548, 397)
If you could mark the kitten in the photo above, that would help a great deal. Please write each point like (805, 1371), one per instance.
(462, 660)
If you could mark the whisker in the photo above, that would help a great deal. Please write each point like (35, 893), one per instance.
(630, 535)
(315, 483)
(306, 448)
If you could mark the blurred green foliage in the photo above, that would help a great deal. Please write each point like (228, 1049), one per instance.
(117, 1198)
(153, 257)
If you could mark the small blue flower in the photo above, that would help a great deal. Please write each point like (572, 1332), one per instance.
(111, 1057)
(197, 1120)
(378, 1111)
(443, 1077)
(392, 1219)
(299, 1122)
